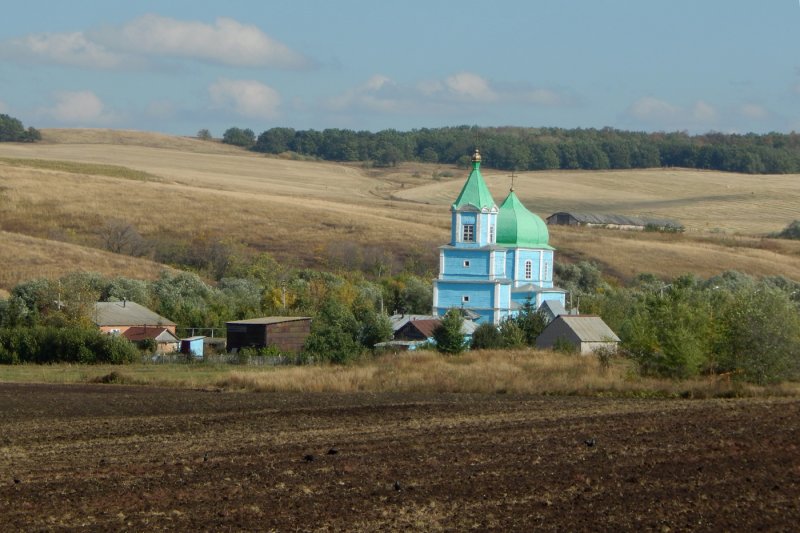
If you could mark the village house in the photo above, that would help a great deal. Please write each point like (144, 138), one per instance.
(118, 317)
(136, 323)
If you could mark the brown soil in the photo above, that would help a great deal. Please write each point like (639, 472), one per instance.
(109, 457)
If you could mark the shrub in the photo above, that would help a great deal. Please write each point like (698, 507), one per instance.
(486, 337)
(448, 336)
(42, 344)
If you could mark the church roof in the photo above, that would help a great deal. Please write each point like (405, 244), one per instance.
(475, 192)
(516, 226)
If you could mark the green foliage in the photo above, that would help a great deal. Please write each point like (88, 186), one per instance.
(486, 337)
(334, 334)
(512, 335)
(374, 327)
(12, 130)
(204, 135)
(759, 335)
(530, 321)
(42, 344)
(239, 137)
(516, 148)
(448, 336)
(792, 231)
(564, 346)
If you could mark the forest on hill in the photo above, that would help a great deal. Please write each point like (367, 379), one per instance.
(518, 148)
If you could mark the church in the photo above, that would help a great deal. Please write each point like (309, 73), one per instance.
(497, 259)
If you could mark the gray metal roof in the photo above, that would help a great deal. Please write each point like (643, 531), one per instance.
(127, 314)
(588, 328)
(553, 308)
(398, 321)
(620, 220)
(269, 320)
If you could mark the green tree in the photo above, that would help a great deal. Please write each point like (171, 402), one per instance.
(486, 337)
(448, 335)
(204, 135)
(334, 334)
(239, 137)
(12, 130)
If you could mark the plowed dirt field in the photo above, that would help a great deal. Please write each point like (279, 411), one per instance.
(111, 458)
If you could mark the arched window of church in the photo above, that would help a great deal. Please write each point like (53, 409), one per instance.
(529, 269)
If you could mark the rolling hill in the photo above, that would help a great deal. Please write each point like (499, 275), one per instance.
(57, 196)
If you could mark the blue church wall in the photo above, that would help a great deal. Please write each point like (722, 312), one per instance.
(500, 270)
(465, 263)
(481, 295)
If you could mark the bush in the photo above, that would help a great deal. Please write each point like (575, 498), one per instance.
(42, 344)
(486, 337)
(792, 231)
(448, 336)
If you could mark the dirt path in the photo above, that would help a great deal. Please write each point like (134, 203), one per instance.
(116, 458)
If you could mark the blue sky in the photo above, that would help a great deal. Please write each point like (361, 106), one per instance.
(178, 66)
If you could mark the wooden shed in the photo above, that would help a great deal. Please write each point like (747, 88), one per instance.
(286, 333)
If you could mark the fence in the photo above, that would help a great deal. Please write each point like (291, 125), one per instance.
(224, 359)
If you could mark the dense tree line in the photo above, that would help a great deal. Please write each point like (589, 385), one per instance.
(687, 326)
(349, 311)
(12, 130)
(516, 148)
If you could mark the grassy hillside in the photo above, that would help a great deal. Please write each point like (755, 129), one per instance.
(65, 190)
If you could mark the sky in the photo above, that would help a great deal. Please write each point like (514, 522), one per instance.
(179, 66)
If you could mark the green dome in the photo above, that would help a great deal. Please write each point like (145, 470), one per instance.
(516, 226)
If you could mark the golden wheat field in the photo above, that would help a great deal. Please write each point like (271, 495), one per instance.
(57, 195)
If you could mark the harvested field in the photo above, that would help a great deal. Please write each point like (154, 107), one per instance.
(106, 457)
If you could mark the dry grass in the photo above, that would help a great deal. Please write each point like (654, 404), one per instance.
(480, 372)
(23, 258)
(301, 210)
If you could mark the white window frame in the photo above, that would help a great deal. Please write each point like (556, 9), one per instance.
(465, 299)
(468, 233)
(491, 234)
(528, 269)
(466, 263)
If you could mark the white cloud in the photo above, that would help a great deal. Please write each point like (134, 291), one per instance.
(72, 49)
(655, 113)
(470, 86)
(703, 112)
(439, 96)
(226, 42)
(248, 98)
(649, 109)
(152, 37)
(80, 108)
(160, 109)
(753, 111)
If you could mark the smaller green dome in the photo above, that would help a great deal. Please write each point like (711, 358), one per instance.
(516, 226)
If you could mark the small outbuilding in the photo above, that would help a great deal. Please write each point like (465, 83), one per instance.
(286, 333)
(165, 340)
(193, 346)
(586, 333)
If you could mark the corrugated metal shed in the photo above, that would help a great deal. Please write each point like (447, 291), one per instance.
(127, 313)
(269, 320)
(571, 217)
(586, 332)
